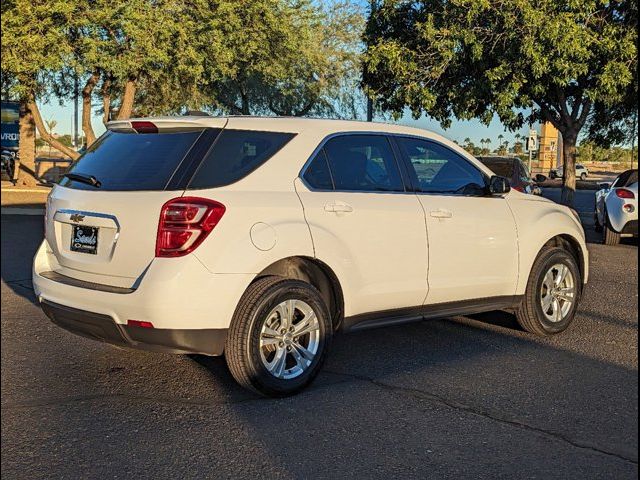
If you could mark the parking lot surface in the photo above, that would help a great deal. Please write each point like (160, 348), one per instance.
(467, 397)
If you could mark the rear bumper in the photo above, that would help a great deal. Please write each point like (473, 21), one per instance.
(180, 297)
(103, 328)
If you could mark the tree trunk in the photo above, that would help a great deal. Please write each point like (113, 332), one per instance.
(27, 153)
(128, 96)
(87, 91)
(44, 134)
(569, 168)
(106, 99)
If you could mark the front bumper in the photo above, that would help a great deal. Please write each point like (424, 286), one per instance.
(103, 328)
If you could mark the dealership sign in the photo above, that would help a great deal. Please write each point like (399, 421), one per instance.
(10, 131)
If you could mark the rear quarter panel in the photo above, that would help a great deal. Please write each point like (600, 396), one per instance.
(257, 229)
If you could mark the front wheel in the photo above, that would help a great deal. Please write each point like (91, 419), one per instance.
(552, 294)
(583, 176)
(279, 337)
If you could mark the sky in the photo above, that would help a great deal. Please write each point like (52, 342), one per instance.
(458, 131)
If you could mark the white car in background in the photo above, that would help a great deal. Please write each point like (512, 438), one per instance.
(616, 209)
(582, 172)
(260, 238)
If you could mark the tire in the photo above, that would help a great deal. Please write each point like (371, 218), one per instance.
(260, 307)
(609, 236)
(597, 226)
(583, 176)
(596, 222)
(530, 315)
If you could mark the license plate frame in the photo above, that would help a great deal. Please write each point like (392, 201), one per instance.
(84, 239)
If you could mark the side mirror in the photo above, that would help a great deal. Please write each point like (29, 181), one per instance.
(499, 185)
(539, 178)
(604, 185)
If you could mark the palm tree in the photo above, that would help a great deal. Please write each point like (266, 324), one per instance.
(487, 142)
(467, 141)
(51, 124)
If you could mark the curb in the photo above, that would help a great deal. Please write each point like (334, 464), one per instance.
(21, 211)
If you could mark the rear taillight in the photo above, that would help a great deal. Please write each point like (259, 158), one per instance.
(518, 188)
(139, 323)
(144, 127)
(184, 224)
(624, 193)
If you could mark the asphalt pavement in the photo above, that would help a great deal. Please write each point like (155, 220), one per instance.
(467, 397)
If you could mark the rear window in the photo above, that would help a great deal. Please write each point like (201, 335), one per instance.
(131, 161)
(502, 168)
(235, 154)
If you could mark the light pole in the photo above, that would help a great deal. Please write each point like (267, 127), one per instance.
(75, 110)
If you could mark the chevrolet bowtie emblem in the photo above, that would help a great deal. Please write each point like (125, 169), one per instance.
(76, 217)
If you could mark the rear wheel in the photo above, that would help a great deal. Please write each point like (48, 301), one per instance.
(583, 176)
(552, 294)
(609, 236)
(279, 337)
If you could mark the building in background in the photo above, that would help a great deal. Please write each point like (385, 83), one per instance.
(549, 149)
(10, 129)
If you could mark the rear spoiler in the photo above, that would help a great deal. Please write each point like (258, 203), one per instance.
(166, 124)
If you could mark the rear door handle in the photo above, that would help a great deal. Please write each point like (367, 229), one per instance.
(338, 207)
(440, 213)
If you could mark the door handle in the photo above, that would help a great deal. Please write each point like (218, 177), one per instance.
(338, 207)
(441, 213)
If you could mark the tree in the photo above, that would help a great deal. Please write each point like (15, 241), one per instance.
(550, 60)
(34, 44)
(282, 57)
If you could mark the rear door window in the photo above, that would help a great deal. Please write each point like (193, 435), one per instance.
(235, 154)
(363, 163)
(317, 174)
(131, 161)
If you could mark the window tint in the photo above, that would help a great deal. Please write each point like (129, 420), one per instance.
(440, 170)
(317, 174)
(503, 168)
(235, 154)
(132, 161)
(525, 176)
(625, 179)
(363, 162)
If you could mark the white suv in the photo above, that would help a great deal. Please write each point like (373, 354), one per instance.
(260, 238)
(582, 172)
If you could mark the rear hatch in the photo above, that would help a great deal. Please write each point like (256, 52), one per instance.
(102, 220)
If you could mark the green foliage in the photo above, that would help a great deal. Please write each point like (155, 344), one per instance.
(34, 44)
(283, 57)
(291, 57)
(591, 152)
(556, 59)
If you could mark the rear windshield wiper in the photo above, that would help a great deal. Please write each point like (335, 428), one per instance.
(88, 179)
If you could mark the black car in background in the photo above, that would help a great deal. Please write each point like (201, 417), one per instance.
(515, 170)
